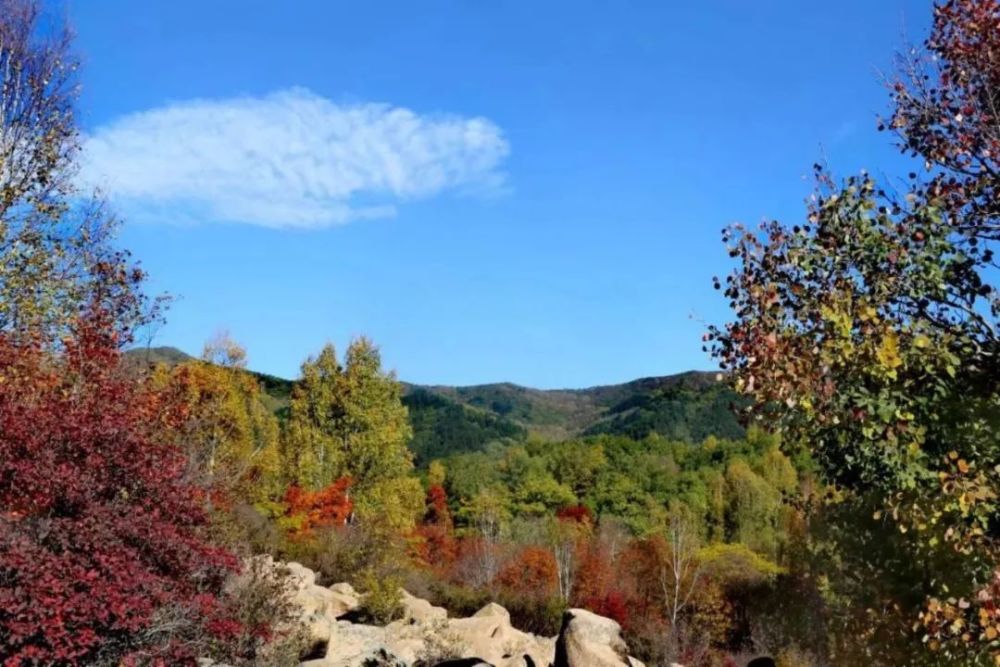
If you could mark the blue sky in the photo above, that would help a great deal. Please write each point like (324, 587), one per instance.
(503, 191)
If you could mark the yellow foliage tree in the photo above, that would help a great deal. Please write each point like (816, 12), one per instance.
(230, 435)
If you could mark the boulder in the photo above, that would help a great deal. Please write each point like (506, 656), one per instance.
(424, 633)
(589, 640)
(342, 600)
(315, 600)
(344, 588)
(489, 636)
(356, 645)
(416, 610)
(301, 575)
(319, 629)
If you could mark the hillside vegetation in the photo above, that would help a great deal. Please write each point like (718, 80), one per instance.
(449, 420)
(856, 521)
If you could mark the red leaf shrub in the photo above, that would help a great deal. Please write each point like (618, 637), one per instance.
(596, 586)
(98, 528)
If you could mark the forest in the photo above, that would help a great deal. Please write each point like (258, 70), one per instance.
(827, 496)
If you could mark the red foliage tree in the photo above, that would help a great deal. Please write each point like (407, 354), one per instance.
(645, 558)
(98, 528)
(327, 508)
(531, 574)
(596, 585)
(436, 545)
(947, 112)
(576, 513)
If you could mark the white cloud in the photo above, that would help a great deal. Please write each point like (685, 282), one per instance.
(289, 159)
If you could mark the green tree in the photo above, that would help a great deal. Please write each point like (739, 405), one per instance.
(576, 464)
(311, 444)
(752, 508)
(350, 421)
(372, 425)
(868, 334)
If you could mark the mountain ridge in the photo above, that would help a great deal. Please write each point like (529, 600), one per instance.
(448, 419)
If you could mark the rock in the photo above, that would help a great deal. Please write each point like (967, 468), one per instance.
(425, 633)
(589, 640)
(493, 610)
(302, 575)
(342, 599)
(319, 629)
(416, 610)
(355, 645)
(316, 600)
(344, 588)
(489, 636)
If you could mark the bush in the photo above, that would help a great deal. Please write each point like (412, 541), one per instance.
(271, 634)
(382, 601)
(100, 534)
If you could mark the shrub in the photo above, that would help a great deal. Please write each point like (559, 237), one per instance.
(382, 602)
(99, 531)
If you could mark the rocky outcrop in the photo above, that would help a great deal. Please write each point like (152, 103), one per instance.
(489, 635)
(354, 645)
(588, 639)
(426, 637)
(321, 607)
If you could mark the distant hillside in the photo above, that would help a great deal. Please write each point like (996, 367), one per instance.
(688, 406)
(446, 420)
(157, 355)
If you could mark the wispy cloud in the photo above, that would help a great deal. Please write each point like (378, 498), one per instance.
(289, 159)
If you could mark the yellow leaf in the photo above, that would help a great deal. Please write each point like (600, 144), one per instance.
(888, 351)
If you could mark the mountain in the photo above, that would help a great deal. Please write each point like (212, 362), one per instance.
(687, 406)
(447, 420)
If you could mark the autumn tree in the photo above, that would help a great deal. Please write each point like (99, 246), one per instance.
(228, 432)
(531, 573)
(487, 516)
(565, 535)
(100, 531)
(349, 421)
(308, 511)
(57, 256)
(867, 334)
(436, 531)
